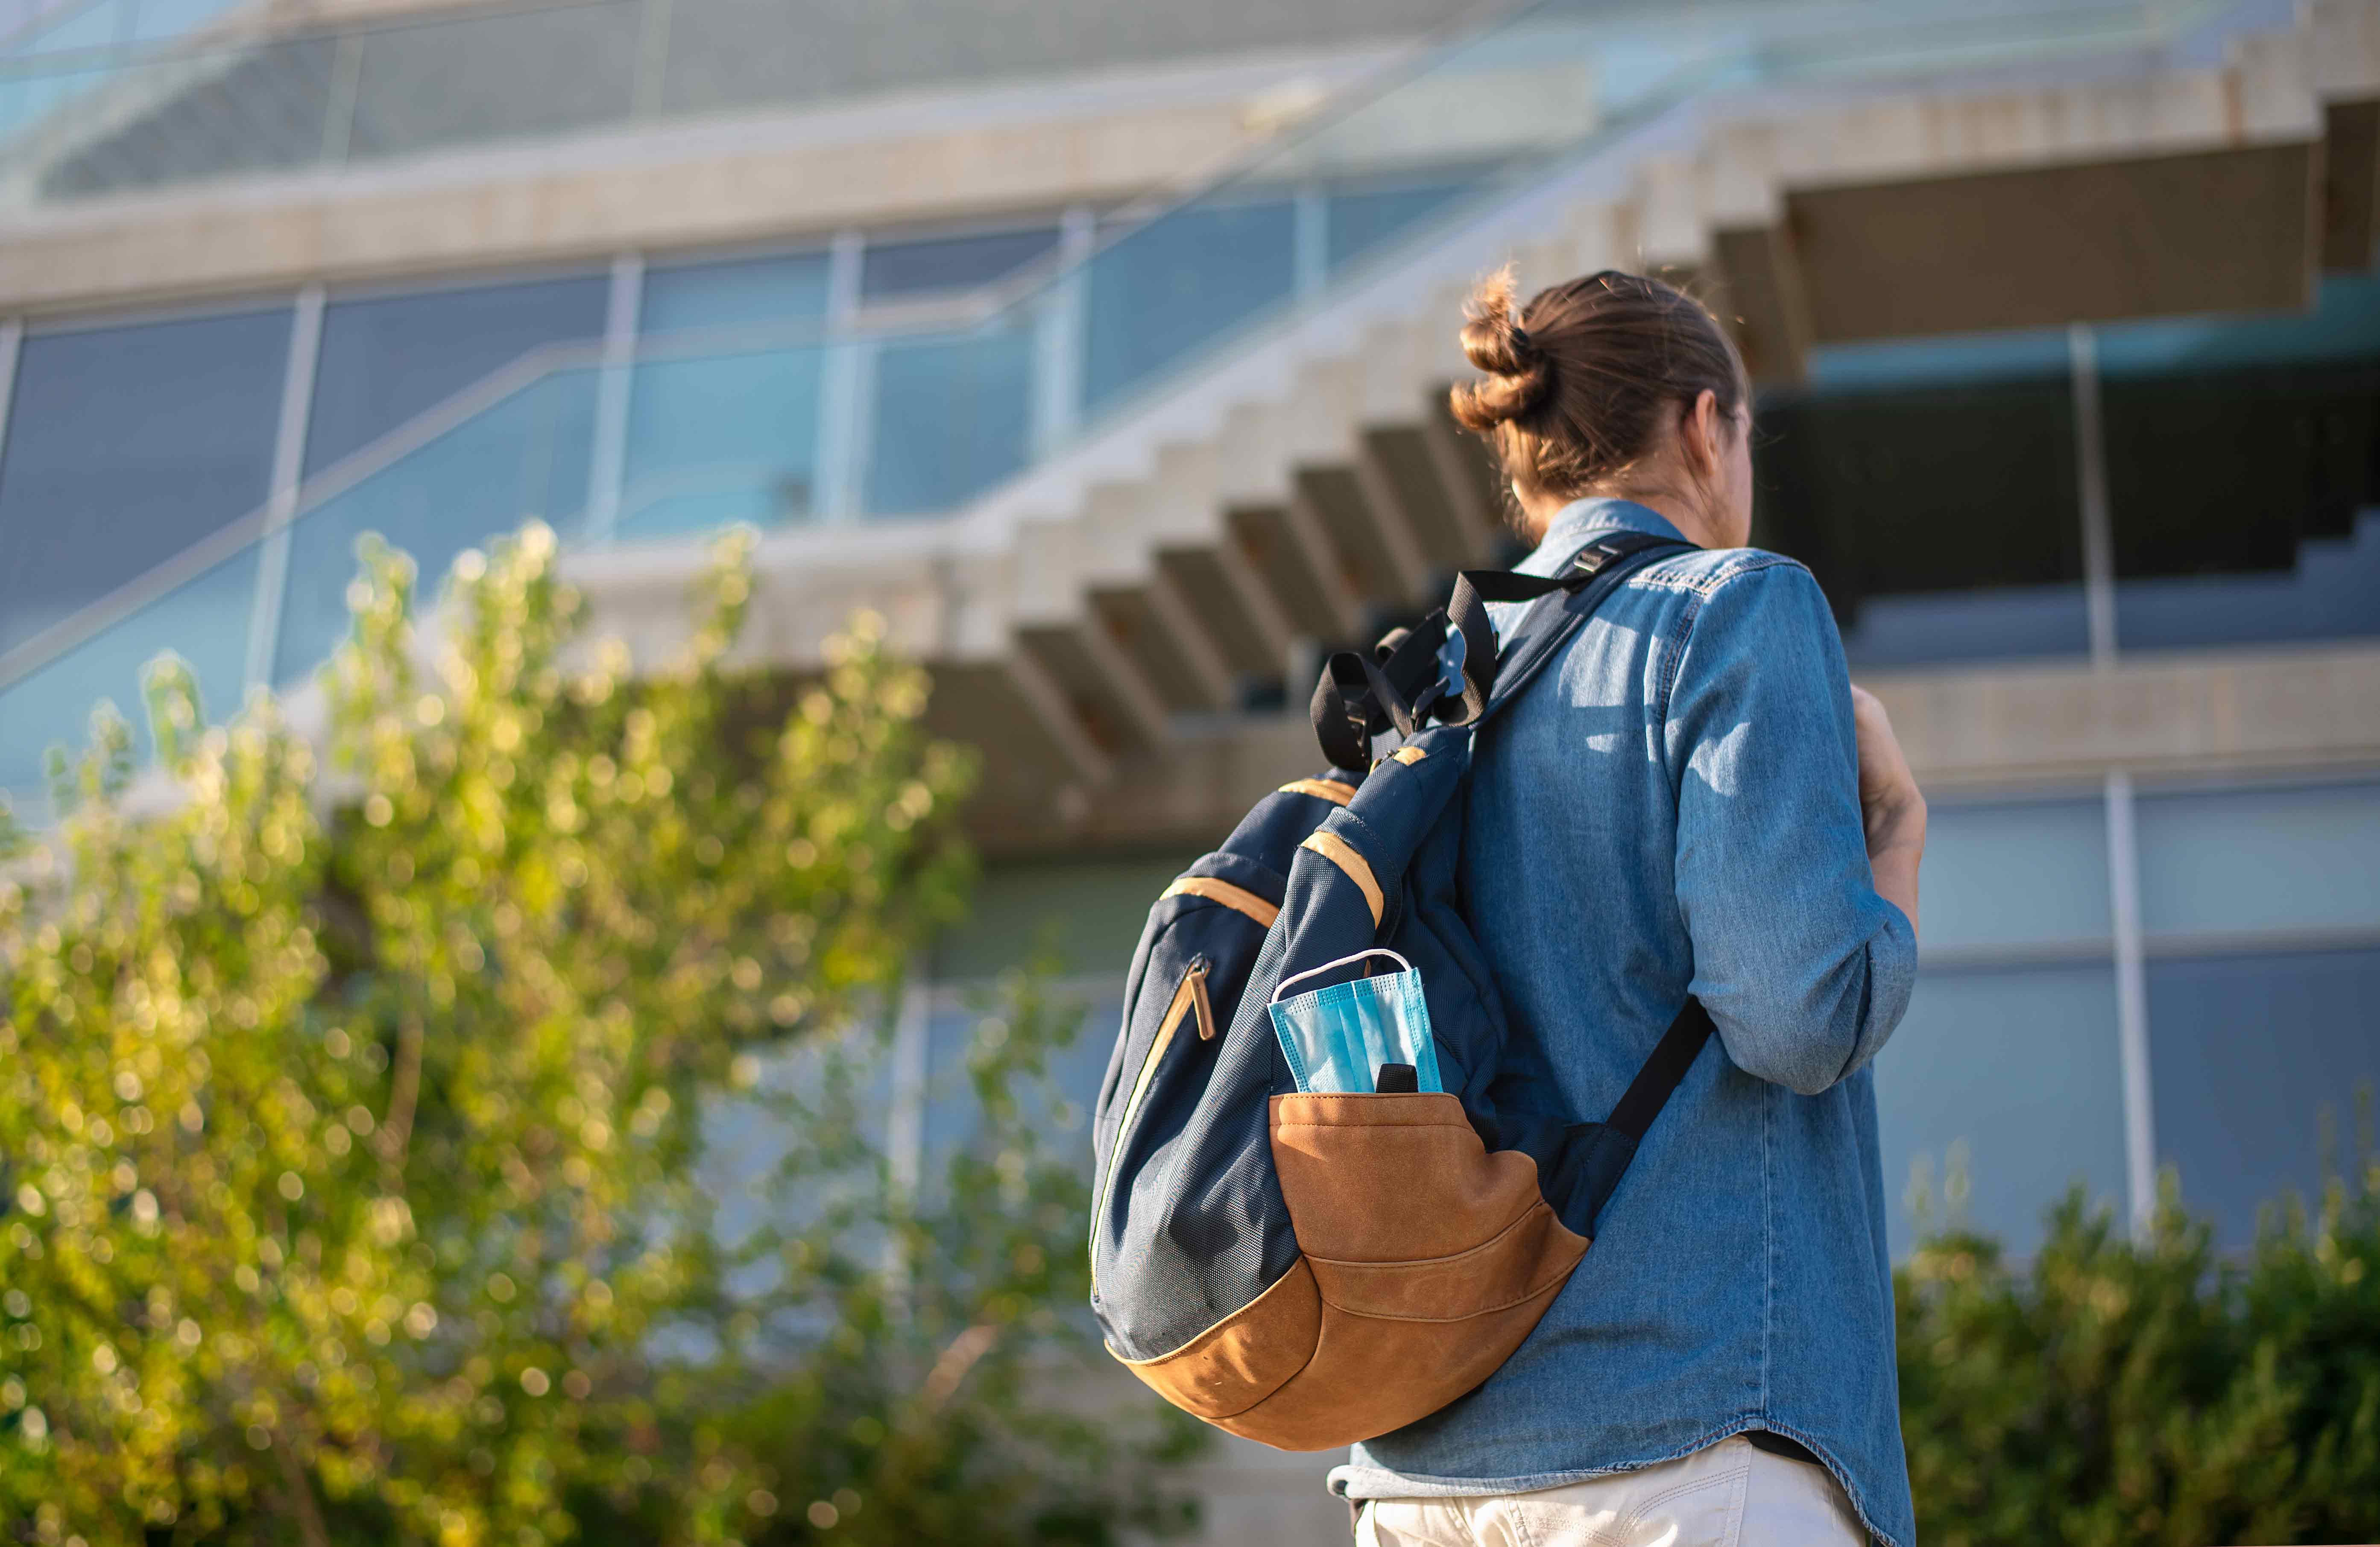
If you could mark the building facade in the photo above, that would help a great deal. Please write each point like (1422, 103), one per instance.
(1102, 350)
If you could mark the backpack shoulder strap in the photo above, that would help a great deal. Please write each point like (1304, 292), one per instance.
(1537, 637)
(1592, 574)
(1452, 667)
(1672, 1057)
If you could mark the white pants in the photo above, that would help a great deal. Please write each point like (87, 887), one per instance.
(1725, 1496)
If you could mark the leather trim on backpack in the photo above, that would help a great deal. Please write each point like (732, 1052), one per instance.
(1340, 852)
(1321, 789)
(1431, 1258)
(1244, 1357)
(1236, 898)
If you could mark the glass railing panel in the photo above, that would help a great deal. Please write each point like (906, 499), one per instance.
(205, 619)
(525, 456)
(156, 21)
(952, 418)
(1178, 283)
(88, 27)
(217, 114)
(493, 77)
(715, 439)
(1362, 218)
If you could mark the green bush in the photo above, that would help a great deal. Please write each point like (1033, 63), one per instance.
(2115, 1391)
(356, 1126)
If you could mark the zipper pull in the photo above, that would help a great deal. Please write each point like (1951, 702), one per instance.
(1200, 1003)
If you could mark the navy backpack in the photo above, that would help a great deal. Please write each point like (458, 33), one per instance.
(1329, 1201)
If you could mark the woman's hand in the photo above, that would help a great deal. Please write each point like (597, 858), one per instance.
(1892, 809)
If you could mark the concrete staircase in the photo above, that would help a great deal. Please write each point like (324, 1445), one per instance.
(1106, 616)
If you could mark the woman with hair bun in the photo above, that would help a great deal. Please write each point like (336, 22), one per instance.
(1691, 799)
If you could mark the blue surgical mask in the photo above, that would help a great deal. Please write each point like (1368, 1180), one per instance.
(1337, 1038)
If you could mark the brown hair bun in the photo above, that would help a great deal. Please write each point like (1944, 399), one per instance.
(1519, 376)
(1579, 383)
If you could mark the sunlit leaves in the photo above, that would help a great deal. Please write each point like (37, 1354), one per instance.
(299, 1066)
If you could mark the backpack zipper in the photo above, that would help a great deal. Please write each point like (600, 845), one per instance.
(1189, 998)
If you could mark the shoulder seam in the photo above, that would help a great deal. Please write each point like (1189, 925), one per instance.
(1703, 583)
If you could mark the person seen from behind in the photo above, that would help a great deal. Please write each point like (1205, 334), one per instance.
(1691, 798)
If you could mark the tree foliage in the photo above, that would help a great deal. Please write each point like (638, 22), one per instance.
(2124, 1393)
(360, 1126)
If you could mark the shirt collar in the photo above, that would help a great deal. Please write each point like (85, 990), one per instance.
(1576, 525)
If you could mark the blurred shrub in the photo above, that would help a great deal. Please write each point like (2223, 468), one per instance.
(2115, 1391)
(359, 1131)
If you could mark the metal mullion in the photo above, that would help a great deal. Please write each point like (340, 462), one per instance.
(615, 386)
(2131, 1000)
(835, 494)
(12, 341)
(288, 471)
(1061, 336)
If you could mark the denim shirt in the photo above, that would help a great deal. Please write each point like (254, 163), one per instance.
(1672, 807)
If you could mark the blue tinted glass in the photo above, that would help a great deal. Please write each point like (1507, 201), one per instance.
(952, 419)
(388, 359)
(2017, 1071)
(1361, 220)
(2023, 874)
(723, 294)
(2302, 858)
(171, 18)
(716, 439)
(1180, 283)
(2257, 1061)
(525, 457)
(126, 445)
(205, 620)
(890, 270)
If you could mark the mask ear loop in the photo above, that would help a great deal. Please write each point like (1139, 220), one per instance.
(1342, 962)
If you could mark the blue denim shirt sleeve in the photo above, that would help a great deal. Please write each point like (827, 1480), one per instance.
(1803, 967)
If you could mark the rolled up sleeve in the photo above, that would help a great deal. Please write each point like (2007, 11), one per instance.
(1802, 966)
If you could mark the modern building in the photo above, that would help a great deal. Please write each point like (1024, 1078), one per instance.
(1102, 350)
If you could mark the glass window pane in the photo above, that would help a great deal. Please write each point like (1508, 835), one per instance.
(953, 418)
(1361, 219)
(386, 359)
(205, 620)
(1179, 283)
(744, 290)
(525, 457)
(890, 270)
(722, 438)
(2305, 858)
(2019, 1071)
(125, 446)
(2257, 1061)
(2026, 873)
(1923, 567)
